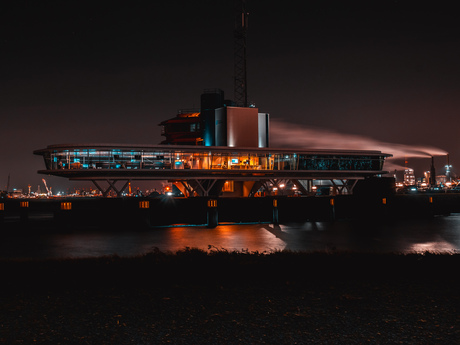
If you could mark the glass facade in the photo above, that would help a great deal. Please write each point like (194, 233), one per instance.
(193, 157)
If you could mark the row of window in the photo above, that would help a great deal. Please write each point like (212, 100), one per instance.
(117, 159)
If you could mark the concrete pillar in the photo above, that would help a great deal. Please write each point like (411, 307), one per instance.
(212, 213)
(275, 212)
(144, 212)
(384, 207)
(64, 213)
(2, 212)
(24, 211)
(332, 203)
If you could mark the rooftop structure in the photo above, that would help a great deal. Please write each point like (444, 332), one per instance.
(217, 123)
(184, 129)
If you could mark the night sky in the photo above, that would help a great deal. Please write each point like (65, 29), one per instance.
(371, 73)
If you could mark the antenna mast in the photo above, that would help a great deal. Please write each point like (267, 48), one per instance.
(240, 33)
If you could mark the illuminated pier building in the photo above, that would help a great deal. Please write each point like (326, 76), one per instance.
(223, 147)
(227, 153)
(201, 170)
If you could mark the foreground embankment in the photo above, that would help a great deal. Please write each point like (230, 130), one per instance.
(160, 211)
(221, 297)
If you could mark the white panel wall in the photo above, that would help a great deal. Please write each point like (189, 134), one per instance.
(242, 127)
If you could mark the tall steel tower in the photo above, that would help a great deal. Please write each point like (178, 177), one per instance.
(240, 33)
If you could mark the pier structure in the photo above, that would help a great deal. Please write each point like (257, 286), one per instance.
(204, 170)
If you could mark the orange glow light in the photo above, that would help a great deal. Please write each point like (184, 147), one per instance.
(144, 204)
(66, 206)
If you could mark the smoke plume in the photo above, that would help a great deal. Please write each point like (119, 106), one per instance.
(284, 134)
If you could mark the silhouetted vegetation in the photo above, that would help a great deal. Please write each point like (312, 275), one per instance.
(220, 266)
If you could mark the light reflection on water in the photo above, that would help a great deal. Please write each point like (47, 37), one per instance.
(435, 247)
(440, 234)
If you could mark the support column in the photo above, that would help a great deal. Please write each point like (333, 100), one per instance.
(144, 212)
(335, 188)
(332, 203)
(24, 211)
(99, 188)
(2, 212)
(351, 185)
(275, 212)
(189, 191)
(105, 192)
(65, 214)
(212, 213)
(206, 187)
(431, 207)
(304, 189)
(256, 186)
(384, 207)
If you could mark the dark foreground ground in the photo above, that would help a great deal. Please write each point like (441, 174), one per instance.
(216, 297)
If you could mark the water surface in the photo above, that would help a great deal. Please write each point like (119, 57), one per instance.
(439, 234)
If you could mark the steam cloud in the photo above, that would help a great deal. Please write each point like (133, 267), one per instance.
(284, 134)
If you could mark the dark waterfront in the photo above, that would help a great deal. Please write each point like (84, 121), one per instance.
(438, 234)
(333, 287)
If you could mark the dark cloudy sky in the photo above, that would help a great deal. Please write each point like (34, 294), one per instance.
(110, 71)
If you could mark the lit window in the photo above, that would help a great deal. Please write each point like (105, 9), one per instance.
(228, 186)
